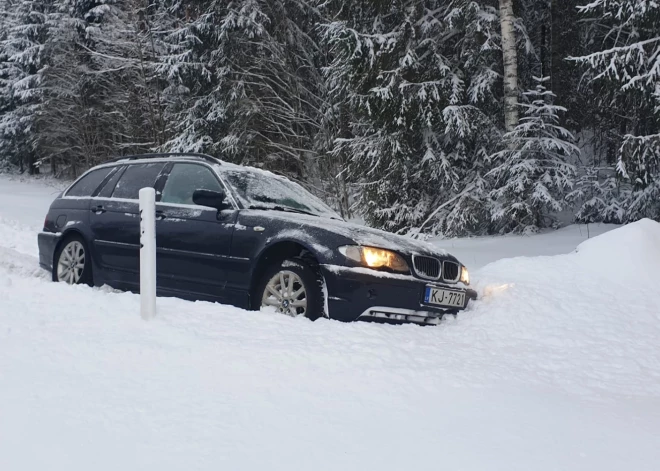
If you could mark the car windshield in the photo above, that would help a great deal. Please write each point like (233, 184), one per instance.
(264, 190)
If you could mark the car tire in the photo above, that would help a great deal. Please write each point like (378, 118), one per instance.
(307, 283)
(72, 262)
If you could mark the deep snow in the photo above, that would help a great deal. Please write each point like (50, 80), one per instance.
(477, 252)
(557, 367)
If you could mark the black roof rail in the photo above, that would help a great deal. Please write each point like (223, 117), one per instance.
(206, 157)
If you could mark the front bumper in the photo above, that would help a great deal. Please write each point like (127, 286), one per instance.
(363, 294)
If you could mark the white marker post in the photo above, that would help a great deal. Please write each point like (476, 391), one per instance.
(147, 253)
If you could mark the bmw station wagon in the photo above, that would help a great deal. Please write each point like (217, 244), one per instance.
(246, 237)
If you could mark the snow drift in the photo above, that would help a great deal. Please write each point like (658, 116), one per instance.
(556, 367)
(631, 253)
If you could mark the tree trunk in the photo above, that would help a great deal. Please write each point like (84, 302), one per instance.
(510, 65)
(31, 167)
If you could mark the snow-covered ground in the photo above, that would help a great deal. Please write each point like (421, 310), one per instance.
(27, 200)
(477, 252)
(557, 367)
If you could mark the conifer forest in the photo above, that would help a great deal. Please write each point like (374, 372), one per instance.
(423, 117)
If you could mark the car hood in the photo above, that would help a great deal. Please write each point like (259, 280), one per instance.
(360, 235)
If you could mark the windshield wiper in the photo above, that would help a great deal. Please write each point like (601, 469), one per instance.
(282, 208)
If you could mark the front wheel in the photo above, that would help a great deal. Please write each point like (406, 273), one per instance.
(72, 262)
(293, 287)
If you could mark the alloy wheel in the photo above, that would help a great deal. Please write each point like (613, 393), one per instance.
(71, 263)
(286, 292)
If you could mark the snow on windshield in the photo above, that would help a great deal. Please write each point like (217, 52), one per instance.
(267, 190)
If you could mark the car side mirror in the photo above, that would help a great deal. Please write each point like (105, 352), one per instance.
(213, 199)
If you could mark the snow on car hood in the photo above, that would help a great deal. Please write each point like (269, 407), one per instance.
(361, 235)
(369, 236)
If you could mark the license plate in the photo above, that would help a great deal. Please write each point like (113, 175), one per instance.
(444, 297)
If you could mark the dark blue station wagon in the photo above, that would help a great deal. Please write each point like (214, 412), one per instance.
(245, 237)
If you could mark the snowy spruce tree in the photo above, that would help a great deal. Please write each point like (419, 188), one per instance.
(394, 110)
(243, 83)
(102, 89)
(66, 120)
(418, 81)
(624, 69)
(9, 74)
(597, 195)
(126, 47)
(533, 173)
(22, 52)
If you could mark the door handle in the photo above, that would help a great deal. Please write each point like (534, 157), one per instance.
(160, 215)
(98, 209)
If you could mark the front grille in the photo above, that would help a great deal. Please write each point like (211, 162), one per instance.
(427, 267)
(450, 271)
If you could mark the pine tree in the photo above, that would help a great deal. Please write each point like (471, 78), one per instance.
(598, 196)
(256, 97)
(24, 61)
(9, 74)
(419, 82)
(532, 175)
(101, 91)
(394, 110)
(625, 72)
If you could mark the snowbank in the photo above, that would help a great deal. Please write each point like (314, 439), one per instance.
(631, 253)
(477, 252)
(556, 367)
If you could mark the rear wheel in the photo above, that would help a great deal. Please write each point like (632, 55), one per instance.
(72, 262)
(294, 288)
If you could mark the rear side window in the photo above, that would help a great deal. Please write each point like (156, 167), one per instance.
(88, 184)
(135, 178)
(109, 185)
(184, 179)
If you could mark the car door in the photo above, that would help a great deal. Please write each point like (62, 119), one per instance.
(115, 223)
(73, 208)
(194, 242)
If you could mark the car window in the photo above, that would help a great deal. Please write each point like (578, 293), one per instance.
(109, 186)
(184, 179)
(88, 184)
(136, 177)
(260, 189)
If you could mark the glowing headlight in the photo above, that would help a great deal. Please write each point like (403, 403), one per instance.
(465, 276)
(373, 257)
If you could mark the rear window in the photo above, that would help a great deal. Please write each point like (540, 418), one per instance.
(88, 184)
(135, 178)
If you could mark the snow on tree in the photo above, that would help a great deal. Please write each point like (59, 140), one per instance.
(93, 88)
(532, 174)
(389, 109)
(251, 87)
(24, 61)
(597, 194)
(627, 64)
(124, 68)
(9, 74)
(419, 81)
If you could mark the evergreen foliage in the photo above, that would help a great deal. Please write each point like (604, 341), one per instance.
(532, 173)
(626, 68)
(389, 110)
(419, 80)
(253, 94)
